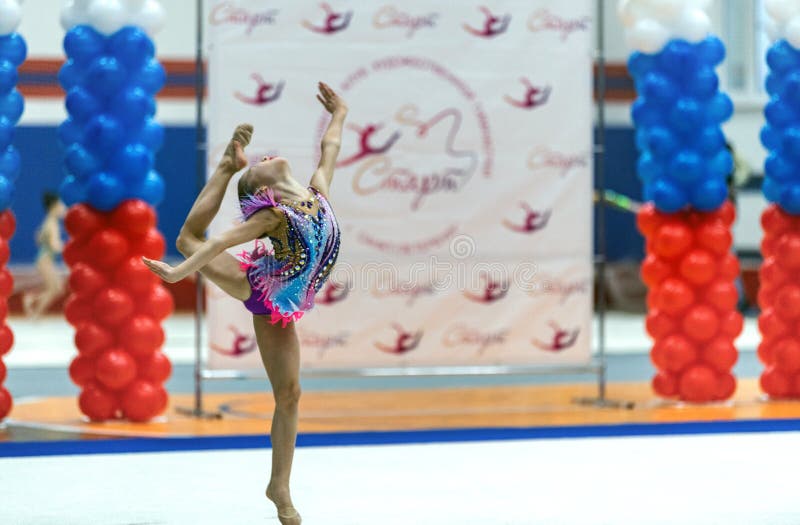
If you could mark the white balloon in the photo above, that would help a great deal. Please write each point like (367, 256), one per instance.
(107, 16)
(647, 36)
(10, 16)
(792, 32)
(667, 10)
(631, 11)
(700, 4)
(782, 10)
(150, 17)
(772, 29)
(693, 25)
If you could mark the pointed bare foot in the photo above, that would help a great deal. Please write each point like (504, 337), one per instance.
(287, 514)
(234, 158)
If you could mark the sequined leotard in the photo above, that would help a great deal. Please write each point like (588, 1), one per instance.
(285, 279)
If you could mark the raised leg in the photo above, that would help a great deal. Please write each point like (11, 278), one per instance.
(280, 352)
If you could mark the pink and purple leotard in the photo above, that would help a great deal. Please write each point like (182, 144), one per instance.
(285, 279)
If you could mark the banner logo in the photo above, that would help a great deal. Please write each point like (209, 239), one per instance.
(542, 159)
(533, 221)
(227, 13)
(533, 97)
(264, 92)
(391, 17)
(560, 340)
(403, 342)
(493, 25)
(242, 344)
(333, 21)
(545, 20)
(461, 335)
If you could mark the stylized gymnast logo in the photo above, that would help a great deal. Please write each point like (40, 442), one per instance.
(404, 342)
(264, 93)
(332, 293)
(334, 22)
(365, 145)
(534, 220)
(461, 335)
(533, 98)
(493, 290)
(492, 25)
(242, 344)
(561, 339)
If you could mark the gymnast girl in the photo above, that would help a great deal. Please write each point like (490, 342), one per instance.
(48, 240)
(277, 285)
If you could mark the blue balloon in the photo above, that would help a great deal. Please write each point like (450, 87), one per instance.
(103, 135)
(639, 64)
(659, 88)
(791, 89)
(644, 114)
(151, 190)
(661, 142)
(720, 165)
(686, 167)
(13, 48)
(70, 132)
(150, 77)
(709, 195)
(667, 197)
(82, 105)
(772, 189)
(775, 84)
(704, 84)
(687, 115)
(679, 59)
(791, 142)
(719, 108)
(779, 114)
(649, 169)
(131, 163)
(770, 138)
(84, 44)
(133, 106)
(790, 198)
(8, 76)
(10, 163)
(777, 168)
(71, 74)
(6, 132)
(81, 163)
(782, 57)
(72, 191)
(6, 193)
(105, 76)
(151, 135)
(711, 51)
(640, 138)
(104, 191)
(132, 47)
(710, 140)
(11, 106)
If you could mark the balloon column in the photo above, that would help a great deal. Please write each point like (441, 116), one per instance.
(116, 305)
(12, 53)
(683, 163)
(779, 293)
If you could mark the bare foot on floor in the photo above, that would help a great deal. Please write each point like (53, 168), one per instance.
(287, 514)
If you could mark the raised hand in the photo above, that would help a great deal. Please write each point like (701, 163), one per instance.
(332, 102)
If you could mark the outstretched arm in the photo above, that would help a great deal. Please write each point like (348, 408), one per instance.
(255, 227)
(331, 140)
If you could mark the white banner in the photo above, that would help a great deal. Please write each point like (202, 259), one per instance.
(463, 188)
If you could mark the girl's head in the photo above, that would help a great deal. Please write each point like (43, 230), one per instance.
(52, 203)
(269, 172)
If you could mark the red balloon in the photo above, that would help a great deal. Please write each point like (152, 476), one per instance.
(775, 383)
(97, 403)
(156, 368)
(91, 339)
(698, 267)
(648, 219)
(654, 270)
(787, 250)
(3, 371)
(134, 217)
(75, 252)
(665, 384)
(771, 272)
(141, 335)
(108, 248)
(152, 245)
(659, 325)
(3, 310)
(82, 221)
(5, 252)
(673, 353)
(674, 296)
(769, 246)
(766, 352)
(8, 224)
(729, 267)
(672, 239)
(770, 324)
(77, 309)
(715, 237)
(6, 403)
(81, 370)
(731, 324)
(116, 368)
(651, 299)
(726, 213)
(787, 355)
(720, 354)
(766, 296)
(698, 384)
(774, 220)
(85, 281)
(726, 386)
(6, 283)
(6, 339)
(112, 306)
(723, 295)
(133, 275)
(163, 399)
(142, 401)
(700, 322)
(787, 302)
(158, 303)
